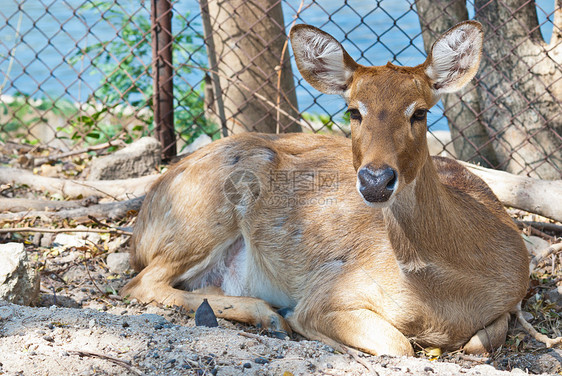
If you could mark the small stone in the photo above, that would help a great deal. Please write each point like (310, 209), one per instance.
(204, 316)
(261, 360)
(47, 240)
(555, 296)
(37, 239)
(118, 262)
(117, 244)
(68, 241)
(19, 282)
(6, 312)
(527, 315)
(48, 338)
(247, 365)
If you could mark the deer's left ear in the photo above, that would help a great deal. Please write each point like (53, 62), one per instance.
(455, 57)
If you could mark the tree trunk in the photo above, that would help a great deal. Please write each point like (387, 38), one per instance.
(249, 39)
(521, 88)
(512, 117)
(469, 135)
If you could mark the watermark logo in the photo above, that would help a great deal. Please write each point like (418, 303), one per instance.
(283, 188)
(242, 187)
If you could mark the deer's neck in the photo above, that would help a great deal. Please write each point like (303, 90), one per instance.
(421, 221)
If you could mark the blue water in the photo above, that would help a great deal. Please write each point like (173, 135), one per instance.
(51, 32)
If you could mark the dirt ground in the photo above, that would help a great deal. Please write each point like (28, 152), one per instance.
(81, 326)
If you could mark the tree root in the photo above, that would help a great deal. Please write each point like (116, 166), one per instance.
(549, 342)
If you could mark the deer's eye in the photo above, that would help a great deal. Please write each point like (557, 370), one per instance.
(419, 115)
(354, 114)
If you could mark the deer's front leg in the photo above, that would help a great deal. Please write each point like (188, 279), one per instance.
(361, 329)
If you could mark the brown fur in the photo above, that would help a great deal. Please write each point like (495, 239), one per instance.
(439, 264)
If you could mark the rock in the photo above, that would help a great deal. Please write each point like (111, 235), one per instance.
(555, 296)
(47, 240)
(118, 262)
(68, 241)
(37, 239)
(6, 312)
(19, 283)
(535, 245)
(140, 158)
(198, 143)
(204, 316)
(117, 244)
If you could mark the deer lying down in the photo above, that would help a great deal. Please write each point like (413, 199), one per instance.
(399, 248)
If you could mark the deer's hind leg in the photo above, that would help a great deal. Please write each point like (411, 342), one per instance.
(154, 284)
(361, 329)
(489, 338)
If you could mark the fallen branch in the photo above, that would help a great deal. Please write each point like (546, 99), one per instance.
(60, 230)
(23, 204)
(549, 342)
(534, 231)
(111, 211)
(56, 157)
(117, 189)
(544, 254)
(541, 225)
(119, 362)
(532, 195)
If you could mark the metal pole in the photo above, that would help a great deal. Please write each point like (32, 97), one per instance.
(163, 73)
(211, 53)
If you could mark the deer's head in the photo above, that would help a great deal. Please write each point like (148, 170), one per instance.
(388, 104)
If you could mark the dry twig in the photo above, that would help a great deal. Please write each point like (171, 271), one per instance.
(549, 342)
(355, 354)
(51, 158)
(119, 362)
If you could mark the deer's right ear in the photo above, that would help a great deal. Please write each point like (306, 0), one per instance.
(322, 60)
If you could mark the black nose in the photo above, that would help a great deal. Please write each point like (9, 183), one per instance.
(376, 184)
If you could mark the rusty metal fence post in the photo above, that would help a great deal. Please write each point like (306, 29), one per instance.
(163, 74)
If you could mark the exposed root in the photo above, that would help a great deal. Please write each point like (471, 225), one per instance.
(544, 254)
(549, 342)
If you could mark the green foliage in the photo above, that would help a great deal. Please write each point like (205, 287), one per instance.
(324, 119)
(24, 113)
(125, 63)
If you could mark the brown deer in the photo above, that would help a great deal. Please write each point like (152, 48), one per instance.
(369, 243)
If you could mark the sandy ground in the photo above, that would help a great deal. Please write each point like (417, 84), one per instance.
(81, 327)
(156, 341)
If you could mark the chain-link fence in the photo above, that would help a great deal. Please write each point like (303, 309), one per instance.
(77, 73)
